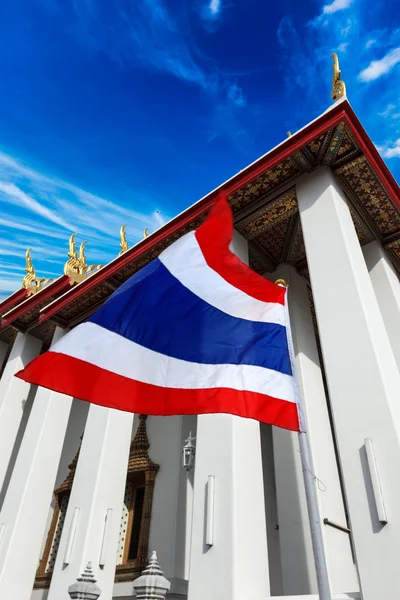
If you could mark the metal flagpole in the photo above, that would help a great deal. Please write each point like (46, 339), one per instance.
(314, 517)
(321, 568)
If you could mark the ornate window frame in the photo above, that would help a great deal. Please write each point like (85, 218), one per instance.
(61, 497)
(142, 471)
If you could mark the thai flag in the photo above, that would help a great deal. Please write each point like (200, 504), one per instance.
(195, 331)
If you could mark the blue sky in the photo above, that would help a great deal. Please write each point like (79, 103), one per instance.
(128, 111)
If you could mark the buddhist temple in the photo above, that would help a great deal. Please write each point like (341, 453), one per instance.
(88, 493)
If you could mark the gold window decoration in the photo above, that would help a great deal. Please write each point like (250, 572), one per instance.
(132, 556)
(61, 498)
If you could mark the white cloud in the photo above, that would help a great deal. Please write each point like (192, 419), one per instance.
(235, 95)
(41, 212)
(215, 6)
(23, 224)
(345, 30)
(377, 68)
(370, 43)
(13, 194)
(390, 150)
(335, 6)
(159, 219)
(343, 47)
(388, 110)
(9, 285)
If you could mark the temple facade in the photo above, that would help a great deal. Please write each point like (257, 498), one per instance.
(83, 484)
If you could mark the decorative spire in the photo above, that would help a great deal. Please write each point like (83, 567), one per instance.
(152, 585)
(338, 86)
(85, 587)
(31, 282)
(66, 485)
(82, 255)
(139, 459)
(145, 233)
(123, 243)
(153, 568)
(76, 267)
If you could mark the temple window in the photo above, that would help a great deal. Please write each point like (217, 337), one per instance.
(132, 554)
(61, 499)
(136, 514)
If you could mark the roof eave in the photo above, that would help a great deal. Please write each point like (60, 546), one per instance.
(340, 111)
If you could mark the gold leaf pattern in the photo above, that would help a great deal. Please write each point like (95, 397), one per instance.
(269, 215)
(265, 183)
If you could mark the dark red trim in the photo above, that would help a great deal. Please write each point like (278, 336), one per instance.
(341, 112)
(83, 380)
(12, 300)
(291, 145)
(56, 287)
(214, 237)
(373, 157)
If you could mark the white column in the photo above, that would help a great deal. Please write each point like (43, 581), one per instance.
(235, 566)
(171, 514)
(294, 530)
(362, 376)
(26, 504)
(387, 290)
(98, 487)
(13, 396)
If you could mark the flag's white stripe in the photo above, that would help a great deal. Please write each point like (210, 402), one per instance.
(185, 260)
(108, 350)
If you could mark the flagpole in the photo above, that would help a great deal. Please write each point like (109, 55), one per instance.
(321, 568)
(314, 517)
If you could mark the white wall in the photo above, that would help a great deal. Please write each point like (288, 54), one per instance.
(21, 430)
(362, 377)
(171, 512)
(75, 428)
(271, 510)
(386, 285)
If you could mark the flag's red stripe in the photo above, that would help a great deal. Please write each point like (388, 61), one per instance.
(83, 380)
(214, 237)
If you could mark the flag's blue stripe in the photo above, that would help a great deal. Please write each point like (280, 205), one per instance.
(155, 310)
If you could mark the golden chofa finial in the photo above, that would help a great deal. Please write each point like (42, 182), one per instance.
(145, 233)
(76, 267)
(123, 243)
(30, 282)
(338, 86)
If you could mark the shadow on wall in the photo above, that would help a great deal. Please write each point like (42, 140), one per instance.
(27, 407)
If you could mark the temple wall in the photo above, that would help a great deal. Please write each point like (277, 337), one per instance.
(72, 440)
(281, 487)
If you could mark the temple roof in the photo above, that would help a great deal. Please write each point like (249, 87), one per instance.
(264, 205)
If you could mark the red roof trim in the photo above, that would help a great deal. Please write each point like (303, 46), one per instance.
(12, 300)
(283, 151)
(341, 112)
(59, 286)
(373, 156)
